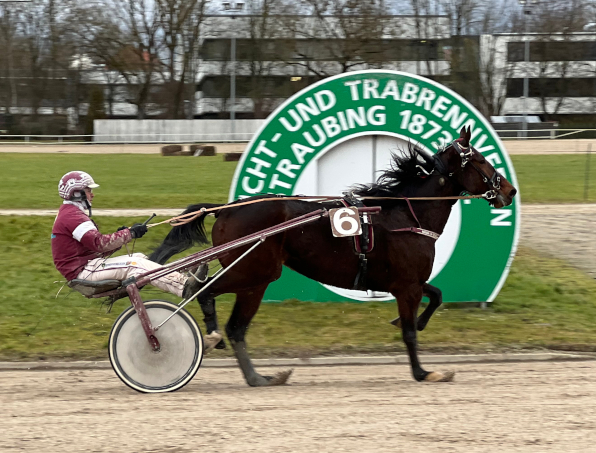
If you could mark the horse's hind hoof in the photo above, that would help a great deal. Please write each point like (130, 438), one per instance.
(396, 322)
(435, 376)
(281, 377)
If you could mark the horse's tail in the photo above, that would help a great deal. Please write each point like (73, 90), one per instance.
(183, 237)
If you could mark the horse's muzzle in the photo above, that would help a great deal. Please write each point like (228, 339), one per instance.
(505, 199)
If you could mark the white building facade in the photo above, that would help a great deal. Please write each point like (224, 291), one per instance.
(278, 56)
(561, 72)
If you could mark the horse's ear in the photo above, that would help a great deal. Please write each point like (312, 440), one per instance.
(465, 136)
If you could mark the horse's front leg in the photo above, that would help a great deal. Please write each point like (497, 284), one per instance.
(207, 304)
(246, 306)
(408, 300)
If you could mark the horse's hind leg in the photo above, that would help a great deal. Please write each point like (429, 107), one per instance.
(435, 300)
(246, 306)
(408, 300)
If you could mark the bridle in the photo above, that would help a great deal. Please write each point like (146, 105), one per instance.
(466, 154)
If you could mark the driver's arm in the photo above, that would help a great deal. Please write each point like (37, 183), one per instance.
(92, 239)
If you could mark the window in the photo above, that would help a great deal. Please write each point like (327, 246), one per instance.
(553, 51)
(515, 51)
(254, 87)
(552, 87)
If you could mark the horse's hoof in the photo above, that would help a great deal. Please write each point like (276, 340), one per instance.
(281, 377)
(265, 381)
(435, 376)
(211, 340)
(396, 322)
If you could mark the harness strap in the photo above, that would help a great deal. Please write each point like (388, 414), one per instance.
(418, 230)
(363, 243)
(422, 231)
(412, 211)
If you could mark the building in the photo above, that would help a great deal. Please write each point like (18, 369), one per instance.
(277, 56)
(561, 72)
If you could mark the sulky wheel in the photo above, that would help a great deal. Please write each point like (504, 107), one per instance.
(170, 368)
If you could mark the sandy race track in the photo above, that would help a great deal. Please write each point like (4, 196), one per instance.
(502, 407)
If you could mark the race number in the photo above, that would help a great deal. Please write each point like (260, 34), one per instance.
(345, 222)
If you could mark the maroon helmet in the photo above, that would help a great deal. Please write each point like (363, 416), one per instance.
(75, 181)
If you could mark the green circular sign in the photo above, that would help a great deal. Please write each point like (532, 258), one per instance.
(476, 249)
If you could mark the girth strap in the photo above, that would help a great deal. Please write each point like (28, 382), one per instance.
(363, 243)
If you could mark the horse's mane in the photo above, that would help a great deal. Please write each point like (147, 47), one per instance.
(403, 175)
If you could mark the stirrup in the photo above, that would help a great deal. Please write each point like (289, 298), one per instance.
(201, 273)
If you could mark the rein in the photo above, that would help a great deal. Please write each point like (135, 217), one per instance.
(493, 183)
(187, 218)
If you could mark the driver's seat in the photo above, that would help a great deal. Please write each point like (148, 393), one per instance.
(87, 288)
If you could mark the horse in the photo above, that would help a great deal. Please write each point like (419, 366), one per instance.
(400, 263)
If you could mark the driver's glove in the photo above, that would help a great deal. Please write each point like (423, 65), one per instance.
(138, 230)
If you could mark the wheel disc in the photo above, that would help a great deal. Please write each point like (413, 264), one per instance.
(170, 368)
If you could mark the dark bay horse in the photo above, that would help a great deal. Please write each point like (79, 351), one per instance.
(400, 263)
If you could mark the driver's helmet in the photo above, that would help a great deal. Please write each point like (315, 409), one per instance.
(74, 182)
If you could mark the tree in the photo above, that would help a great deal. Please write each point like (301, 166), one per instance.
(180, 23)
(340, 35)
(96, 109)
(556, 51)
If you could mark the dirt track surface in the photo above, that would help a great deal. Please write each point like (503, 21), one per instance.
(506, 407)
(566, 231)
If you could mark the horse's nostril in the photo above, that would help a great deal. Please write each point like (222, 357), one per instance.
(512, 193)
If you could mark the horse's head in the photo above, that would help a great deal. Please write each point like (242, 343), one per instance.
(470, 170)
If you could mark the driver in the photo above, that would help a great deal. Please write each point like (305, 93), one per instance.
(81, 251)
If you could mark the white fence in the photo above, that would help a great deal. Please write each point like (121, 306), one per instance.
(220, 131)
(174, 131)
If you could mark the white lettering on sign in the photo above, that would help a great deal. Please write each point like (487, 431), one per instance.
(501, 215)
(300, 151)
(369, 89)
(263, 149)
(252, 190)
(286, 167)
(391, 90)
(353, 84)
(325, 99)
(275, 182)
(453, 114)
(316, 131)
(493, 159)
(409, 92)
(502, 171)
(425, 97)
(440, 106)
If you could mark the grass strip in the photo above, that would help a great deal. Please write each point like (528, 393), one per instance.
(153, 181)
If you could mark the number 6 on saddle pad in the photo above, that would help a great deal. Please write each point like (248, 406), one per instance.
(345, 222)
